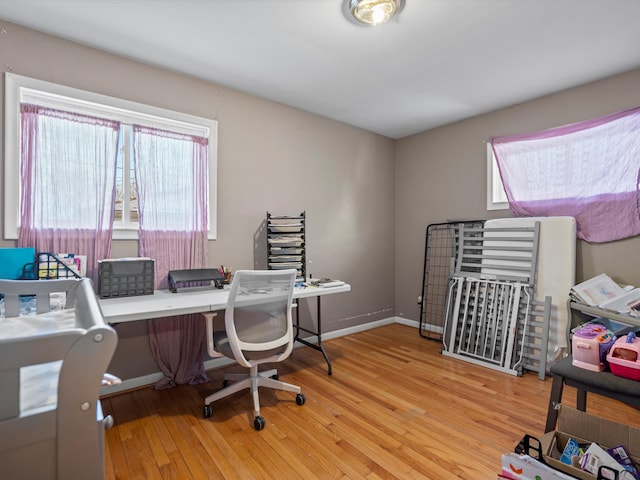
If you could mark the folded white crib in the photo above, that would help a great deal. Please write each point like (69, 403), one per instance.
(52, 361)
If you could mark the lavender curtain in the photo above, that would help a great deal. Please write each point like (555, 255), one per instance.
(68, 171)
(589, 170)
(173, 201)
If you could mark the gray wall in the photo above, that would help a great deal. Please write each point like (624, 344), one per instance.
(441, 175)
(270, 158)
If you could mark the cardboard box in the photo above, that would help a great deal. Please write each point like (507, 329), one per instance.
(587, 428)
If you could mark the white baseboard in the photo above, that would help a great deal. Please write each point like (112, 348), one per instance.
(407, 322)
(150, 379)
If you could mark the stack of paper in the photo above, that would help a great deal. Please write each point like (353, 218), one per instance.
(601, 291)
(597, 290)
(326, 283)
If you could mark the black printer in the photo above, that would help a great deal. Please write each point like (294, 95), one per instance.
(181, 279)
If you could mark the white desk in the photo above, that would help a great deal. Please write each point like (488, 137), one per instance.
(163, 303)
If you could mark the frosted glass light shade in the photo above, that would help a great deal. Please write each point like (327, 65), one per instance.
(373, 12)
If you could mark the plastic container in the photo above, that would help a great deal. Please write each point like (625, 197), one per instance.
(624, 355)
(125, 277)
(590, 345)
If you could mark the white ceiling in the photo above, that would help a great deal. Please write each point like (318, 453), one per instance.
(439, 61)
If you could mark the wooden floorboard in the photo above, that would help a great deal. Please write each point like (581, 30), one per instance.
(394, 408)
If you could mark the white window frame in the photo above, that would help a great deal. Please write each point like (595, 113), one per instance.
(496, 198)
(19, 88)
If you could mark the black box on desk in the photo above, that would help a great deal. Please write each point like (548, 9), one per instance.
(125, 277)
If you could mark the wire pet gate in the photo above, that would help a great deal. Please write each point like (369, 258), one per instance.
(441, 249)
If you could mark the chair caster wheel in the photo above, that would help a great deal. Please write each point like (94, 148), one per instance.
(259, 423)
(300, 399)
(208, 411)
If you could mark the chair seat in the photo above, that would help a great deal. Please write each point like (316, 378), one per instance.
(599, 382)
(221, 343)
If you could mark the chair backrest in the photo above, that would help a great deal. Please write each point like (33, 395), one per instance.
(258, 316)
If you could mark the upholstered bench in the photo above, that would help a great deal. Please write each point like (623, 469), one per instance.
(603, 383)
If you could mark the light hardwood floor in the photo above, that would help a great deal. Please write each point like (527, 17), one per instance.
(393, 408)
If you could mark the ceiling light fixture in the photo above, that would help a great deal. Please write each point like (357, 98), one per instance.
(372, 12)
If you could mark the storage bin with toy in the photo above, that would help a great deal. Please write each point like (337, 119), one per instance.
(590, 345)
(623, 357)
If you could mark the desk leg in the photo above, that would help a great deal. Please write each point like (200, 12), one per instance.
(316, 346)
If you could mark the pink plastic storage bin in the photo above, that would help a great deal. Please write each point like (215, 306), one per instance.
(624, 357)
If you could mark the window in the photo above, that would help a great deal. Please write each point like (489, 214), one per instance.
(125, 215)
(26, 90)
(496, 198)
(589, 170)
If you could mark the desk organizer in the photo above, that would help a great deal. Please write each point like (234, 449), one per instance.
(286, 243)
(125, 277)
(623, 357)
(66, 265)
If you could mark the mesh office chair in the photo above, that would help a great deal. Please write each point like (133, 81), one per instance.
(258, 329)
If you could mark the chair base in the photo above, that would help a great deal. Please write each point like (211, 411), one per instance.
(252, 381)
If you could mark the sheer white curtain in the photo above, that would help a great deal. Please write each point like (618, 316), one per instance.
(589, 170)
(68, 169)
(172, 178)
